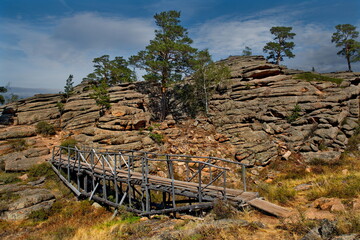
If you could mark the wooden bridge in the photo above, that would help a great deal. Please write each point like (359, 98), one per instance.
(149, 183)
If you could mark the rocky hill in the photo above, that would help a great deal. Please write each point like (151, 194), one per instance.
(261, 113)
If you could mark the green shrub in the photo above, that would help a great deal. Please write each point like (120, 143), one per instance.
(61, 107)
(6, 178)
(7, 196)
(157, 137)
(64, 232)
(41, 170)
(70, 142)
(295, 114)
(354, 141)
(223, 209)
(39, 215)
(45, 128)
(17, 144)
(348, 222)
(308, 76)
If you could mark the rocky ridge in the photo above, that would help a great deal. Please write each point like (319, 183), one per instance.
(255, 112)
(249, 115)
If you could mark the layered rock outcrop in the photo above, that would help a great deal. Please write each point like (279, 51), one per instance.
(265, 111)
(20, 200)
(260, 113)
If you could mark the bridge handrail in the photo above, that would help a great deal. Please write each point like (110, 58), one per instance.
(190, 161)
(161, 154)
(168, 158)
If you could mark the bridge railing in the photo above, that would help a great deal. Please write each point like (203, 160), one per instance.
(237, 167)
(197, 169)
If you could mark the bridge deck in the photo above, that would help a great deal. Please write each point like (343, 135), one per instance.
(123, 178)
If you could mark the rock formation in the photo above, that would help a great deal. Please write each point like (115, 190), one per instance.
(260, 113)
(256, 109)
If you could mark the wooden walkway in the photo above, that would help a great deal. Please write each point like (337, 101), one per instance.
(148, 183)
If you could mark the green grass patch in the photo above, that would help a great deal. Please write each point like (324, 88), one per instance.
(281, 194)
(5, 225)
(348, 222)
(17, 145)
(41, 170)
(295, 114)
(70, 142)
(7, 178)
(223, 210)
(310, 77)
(9, 196)
(354, 141)
(39, 215)
(157, 137)
(339, 187)
(64, 232)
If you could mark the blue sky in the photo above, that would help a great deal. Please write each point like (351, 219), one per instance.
(43, 41)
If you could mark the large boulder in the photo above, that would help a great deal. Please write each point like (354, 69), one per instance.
(23, 200)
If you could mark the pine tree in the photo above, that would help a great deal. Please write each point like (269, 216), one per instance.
(280, 48)
(111, 71)
(2, 90)
(168, 56)
(247, 51)
(69, 88)
(344, 37)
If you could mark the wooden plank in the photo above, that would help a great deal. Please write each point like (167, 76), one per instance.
(269, 207)
(180, 209)
(191, 188)
(77, 192)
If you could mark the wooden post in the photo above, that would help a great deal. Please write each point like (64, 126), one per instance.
(187, 171)
(68, 166)
(128, 182)
(243, 173)
(164, 199)
(147, 191)
(92, 168)
(224, 184)
(171, 169)
(210, 173)
(86, 183)
(199, 188)
(78, 173)
(60, 160)
(104, 179)
(53, 154)
(115, 182)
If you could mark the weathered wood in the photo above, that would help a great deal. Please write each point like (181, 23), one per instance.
(269, 207)
(77, 192)
(180, 209)
(104, 169)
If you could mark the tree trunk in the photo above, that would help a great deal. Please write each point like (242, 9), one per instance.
(278, 58)
(163, 105)
(347, 55)
(205, 91)
(348, 62)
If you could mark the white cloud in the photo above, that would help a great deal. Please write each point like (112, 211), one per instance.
(45, 56)
(88, 31)
(229, 36)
